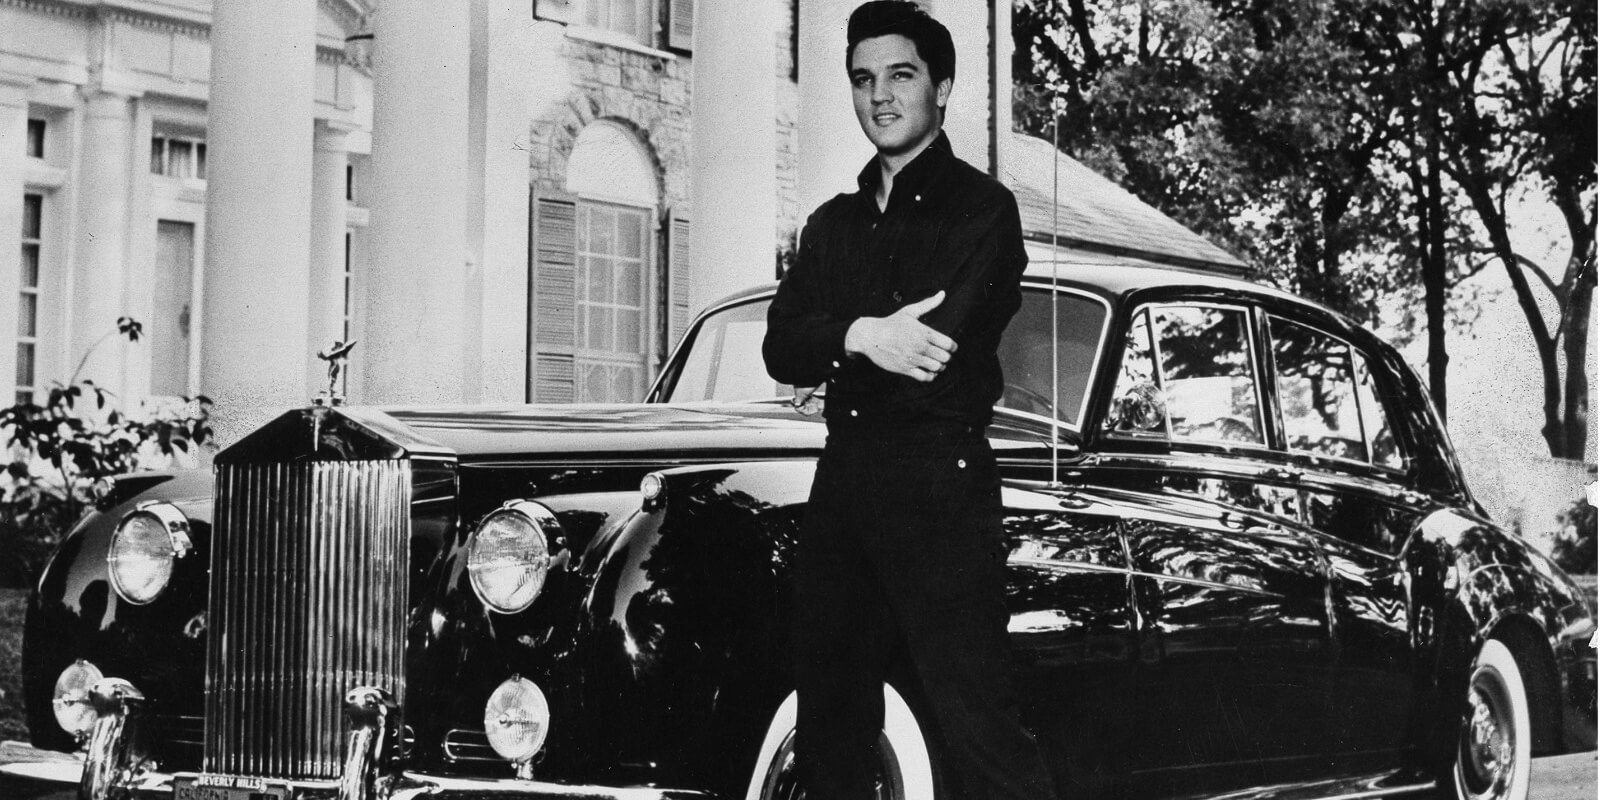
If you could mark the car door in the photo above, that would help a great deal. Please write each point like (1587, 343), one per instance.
(1071, 628)
(1233, 631)
(1355, 499)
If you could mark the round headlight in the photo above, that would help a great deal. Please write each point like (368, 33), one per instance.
(70, 701)
(509, 555)
(146, 542)
(516, 719)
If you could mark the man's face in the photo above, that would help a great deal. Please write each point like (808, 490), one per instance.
(896, 100)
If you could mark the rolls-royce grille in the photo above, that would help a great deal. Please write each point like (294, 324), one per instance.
(308, 599)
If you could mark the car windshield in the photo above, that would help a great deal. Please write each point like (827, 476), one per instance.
(722, 362)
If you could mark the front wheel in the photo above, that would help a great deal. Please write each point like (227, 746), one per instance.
(1492, 746)
(905, 771)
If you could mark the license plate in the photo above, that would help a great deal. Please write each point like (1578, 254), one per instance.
(229, 787)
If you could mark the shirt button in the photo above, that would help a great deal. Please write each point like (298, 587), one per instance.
(854, 413)
(961, 463)
(919, 198)
(835, 365)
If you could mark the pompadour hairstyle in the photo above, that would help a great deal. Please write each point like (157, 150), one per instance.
(928, 35)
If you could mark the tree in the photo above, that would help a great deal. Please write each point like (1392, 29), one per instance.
(1513, 88)
(1344, 148)
(1254, 124)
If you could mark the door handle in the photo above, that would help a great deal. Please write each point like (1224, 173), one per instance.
(1412, 497)
(1280, 474)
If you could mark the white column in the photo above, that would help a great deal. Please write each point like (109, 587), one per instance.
(832, 147)
(415, 273)
(99, 271)
(969, 117)
(497, 218)
(733, 185)
(13, 132)
(258, 211)
(325, 321)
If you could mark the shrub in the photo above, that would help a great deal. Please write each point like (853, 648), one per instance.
(61, 456)
(1574, 547)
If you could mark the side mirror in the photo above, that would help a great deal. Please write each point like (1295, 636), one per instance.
(1142, 409)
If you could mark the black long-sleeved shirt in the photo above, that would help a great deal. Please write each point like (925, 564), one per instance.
(947, 226)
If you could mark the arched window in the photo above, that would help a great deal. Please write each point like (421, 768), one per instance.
(595, 281)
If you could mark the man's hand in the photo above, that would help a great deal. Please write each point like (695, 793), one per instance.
(900, 343)
(807, 400)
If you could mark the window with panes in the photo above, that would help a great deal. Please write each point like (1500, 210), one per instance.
(178, 156)
(612, 300)
(630, 18)
(27, 377)
(36, 129)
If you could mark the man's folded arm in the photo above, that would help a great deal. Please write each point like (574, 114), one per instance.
(803, 346)
(990, 273)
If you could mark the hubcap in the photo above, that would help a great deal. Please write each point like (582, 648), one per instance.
(1488, 740)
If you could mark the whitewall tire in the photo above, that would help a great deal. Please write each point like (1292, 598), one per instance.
(906, 767)
(1494, 737)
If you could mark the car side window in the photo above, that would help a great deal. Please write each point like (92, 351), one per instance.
(1136, 411)
(1374, 421)
(1207, 378)
(1187, 373)
(1317, 392)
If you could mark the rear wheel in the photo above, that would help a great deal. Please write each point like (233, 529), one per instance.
(1493, 740)
(904, 770)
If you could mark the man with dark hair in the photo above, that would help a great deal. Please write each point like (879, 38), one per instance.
(897, 301)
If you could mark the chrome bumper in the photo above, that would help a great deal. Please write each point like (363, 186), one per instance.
(29, 773)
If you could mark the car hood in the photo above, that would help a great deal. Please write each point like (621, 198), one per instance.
(724, 430)
(556, 433)
(584, 431)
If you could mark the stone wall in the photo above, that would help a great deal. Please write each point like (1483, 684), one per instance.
(645, 92)
(650, 93)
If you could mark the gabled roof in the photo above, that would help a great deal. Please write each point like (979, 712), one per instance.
(1097, 214)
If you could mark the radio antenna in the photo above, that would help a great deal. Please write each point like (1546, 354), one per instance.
(1055, 268)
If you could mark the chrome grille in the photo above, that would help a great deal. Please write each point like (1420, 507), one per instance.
(308, 599)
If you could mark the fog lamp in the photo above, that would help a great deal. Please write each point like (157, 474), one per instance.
(146, 543)
(509, 555)
(516, 719)
(73, 708)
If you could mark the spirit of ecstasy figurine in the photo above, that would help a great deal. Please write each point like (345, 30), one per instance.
(336, 356)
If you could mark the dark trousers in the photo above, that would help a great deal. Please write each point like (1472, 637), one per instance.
(902, 542)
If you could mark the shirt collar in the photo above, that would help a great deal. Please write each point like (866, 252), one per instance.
(914, 176)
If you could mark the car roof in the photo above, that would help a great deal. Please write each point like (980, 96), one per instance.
(1115, 279)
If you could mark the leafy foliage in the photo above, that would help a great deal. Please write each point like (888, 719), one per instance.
(1574, 548)
(1367, 154)
(62, 454)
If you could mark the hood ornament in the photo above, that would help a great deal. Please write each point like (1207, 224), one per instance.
(336, 355)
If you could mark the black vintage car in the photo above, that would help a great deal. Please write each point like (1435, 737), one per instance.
(1243, 563)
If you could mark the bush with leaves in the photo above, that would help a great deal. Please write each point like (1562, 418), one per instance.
(1574, 546)
(61, 456)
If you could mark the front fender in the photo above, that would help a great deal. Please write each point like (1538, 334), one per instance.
(685, 627)
(74, 613)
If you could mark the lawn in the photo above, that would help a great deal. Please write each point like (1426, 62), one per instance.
(13, 602)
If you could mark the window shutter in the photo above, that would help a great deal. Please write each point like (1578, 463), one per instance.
(553, 10)
(678, 310)
(680, 25)
(552, 376)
